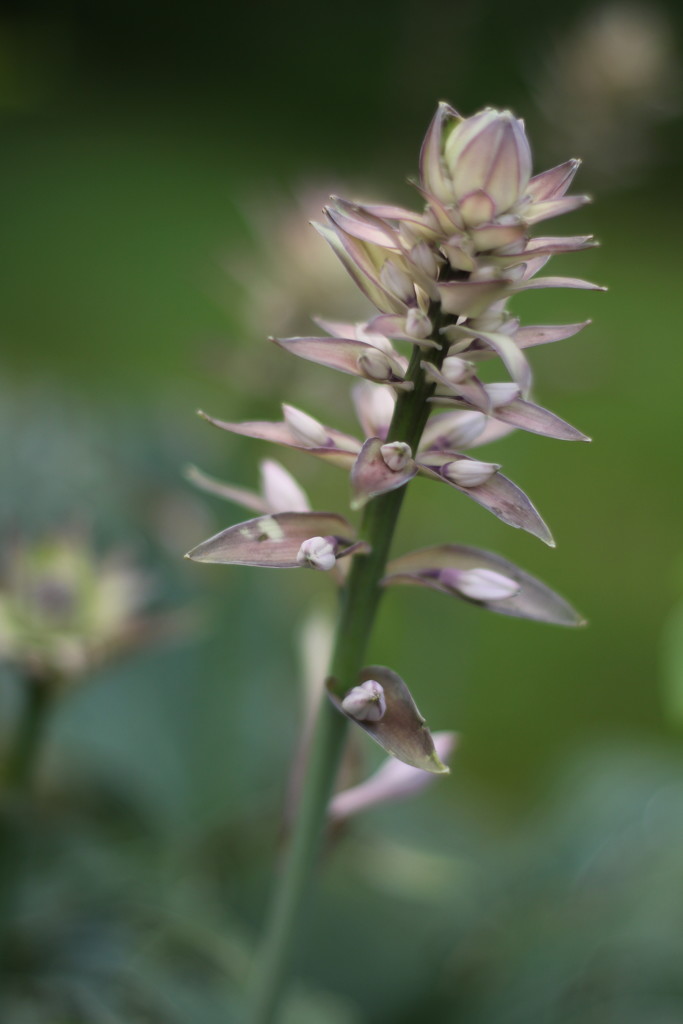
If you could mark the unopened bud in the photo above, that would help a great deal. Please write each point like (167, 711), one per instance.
(502, 393)
(397, 282)
(306, 430)
(456, 369)
(470, 472)
(480, 584)
(396, 455)
(465, 430)
(422, 255)
(374, 365)
(366, 702)
(490, 153)
(418, 324)
(318, 553)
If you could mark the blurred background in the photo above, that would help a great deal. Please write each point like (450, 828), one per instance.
(159, 167)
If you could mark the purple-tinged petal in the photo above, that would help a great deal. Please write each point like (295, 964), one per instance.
(530, 337)
(371, 475)
(498, 494)
(239, 495)
(341, 449)
(450, 430)
(494, 236)
(357, 221)
(354, 357)
(360, 267)
(374, 405)
(537, 420)
(273, 541)
(556, 282)
(393, 780)
(546, 209)
(471, 389)
(477, 208)
(401, 730)
(552, 184)
(551, 244)
(470, 298)
(533, 601)
(393, 326)
(432, 170)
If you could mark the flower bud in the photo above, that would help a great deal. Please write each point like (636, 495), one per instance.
(418, 324)
(318, 553)
(422, 255)
(397, 282)
(470, 473)
(396, 455)
(502, 393)
(489, 153)
(456, 370)
(366, 702)
(374, 365)
(305, 429)
(480, 584)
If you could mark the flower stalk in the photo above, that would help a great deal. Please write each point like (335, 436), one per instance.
(359, 603)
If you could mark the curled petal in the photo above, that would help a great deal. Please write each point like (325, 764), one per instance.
(341, 449)
(534, 600)
(401, 730)
(354, 357)
(546, 209)
(371, 475)
(274, 541)
(497, 494)
(393, 780)
(552, 184)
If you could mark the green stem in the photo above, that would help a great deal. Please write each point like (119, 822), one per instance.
(360, 600)
(23, 756)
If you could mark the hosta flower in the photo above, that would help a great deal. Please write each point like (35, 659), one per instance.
(440, 278)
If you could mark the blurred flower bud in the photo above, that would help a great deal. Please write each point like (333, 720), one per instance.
(489, 153)
(307, 431)
(396, 455)
(418, 324)
(456, 369)
(366, 702)
(397, 282)
(374, 365)
(318, 553)
(63, 610)
(470, 472)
